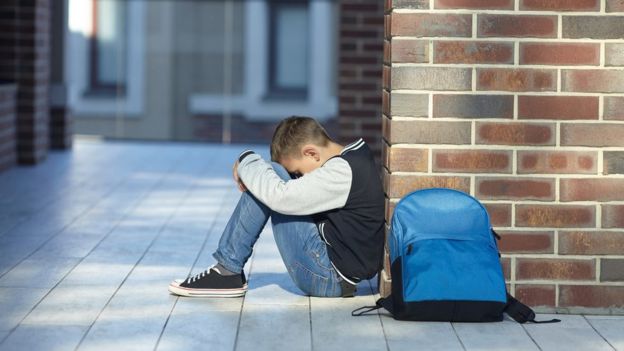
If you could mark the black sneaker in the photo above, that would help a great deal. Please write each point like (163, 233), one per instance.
(210, 283)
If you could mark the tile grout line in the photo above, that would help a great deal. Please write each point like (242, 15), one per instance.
(160, 181)
(457, 336)
(62, 278)
(208, 235)
(252, 260)
(80, 183)
(242, 306)
(597, 332)
(310, 320)
(530, 337)
(83, 213)
(383, 329)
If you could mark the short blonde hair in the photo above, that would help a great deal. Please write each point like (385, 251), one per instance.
(292, 133)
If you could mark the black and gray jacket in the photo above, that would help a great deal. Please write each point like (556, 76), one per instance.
(344, 197)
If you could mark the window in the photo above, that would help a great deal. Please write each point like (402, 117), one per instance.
(108, 48)
(288, 52)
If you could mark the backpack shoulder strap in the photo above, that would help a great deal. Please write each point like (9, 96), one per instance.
(522, 313)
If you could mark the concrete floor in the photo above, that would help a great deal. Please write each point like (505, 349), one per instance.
(90, 239)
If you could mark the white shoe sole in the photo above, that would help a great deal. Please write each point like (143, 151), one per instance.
(175, 288)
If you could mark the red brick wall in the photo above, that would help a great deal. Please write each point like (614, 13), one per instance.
(25, 61)
(7, 126)
(520, 104)
(8, 58)
(359, 71)
(32, 81)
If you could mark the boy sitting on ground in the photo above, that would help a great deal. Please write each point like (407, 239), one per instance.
(326, 205)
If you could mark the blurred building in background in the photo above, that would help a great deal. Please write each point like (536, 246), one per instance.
(224, 71)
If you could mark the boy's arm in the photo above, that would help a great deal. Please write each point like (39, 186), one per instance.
(325, 188)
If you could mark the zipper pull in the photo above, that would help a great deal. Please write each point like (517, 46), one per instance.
(409, 249)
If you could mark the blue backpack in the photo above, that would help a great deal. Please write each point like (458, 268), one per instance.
(445, 263)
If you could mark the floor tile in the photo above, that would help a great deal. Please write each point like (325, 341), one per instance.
(16, 303)
(38, 273)
(572, 333)
(288, 328)
(611, 328)
(197, 324)
(43, 337)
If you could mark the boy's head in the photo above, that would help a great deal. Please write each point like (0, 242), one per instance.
(297, 144)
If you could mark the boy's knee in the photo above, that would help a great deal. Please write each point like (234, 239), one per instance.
(280, 170)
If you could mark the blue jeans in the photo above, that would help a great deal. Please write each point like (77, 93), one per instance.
(297, 238)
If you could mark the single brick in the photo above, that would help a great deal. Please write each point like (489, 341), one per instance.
(614, 107)
(591, 296)
(473, 106)
(613, 216)
(560, 5)
(431, 78)
(406, 159)
(431, 25)
(385, 102)
(409, 50)
(587, 189)
(515, 133)
(475, 4)
(409, 105)
(408, 4)
(526, 242)
(615, 6)
(522, 79)
(517, 26)
(593, 80)
(558, 162)
(591, 243)
(427, 132)
(613, 162)
(450, 51)
(500, 214)
(592, 134)
(594, 27)
(386, 77)
(536, 295)
(390, 205)
(387, 50)
(556, 216)
(559, 54)
(614, 54)
(557, 107)
(506, 265)
(500, 188)
(555, 269)
(472, 161)
(611, 270)
(398, 186)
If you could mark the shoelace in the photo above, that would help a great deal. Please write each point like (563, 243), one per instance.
(199, 275)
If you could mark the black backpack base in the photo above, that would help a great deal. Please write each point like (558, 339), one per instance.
(446, 311)
(456, 311)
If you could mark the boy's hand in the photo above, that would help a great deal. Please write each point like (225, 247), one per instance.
(241, 186)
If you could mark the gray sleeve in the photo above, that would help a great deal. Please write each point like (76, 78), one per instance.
(325, 188)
